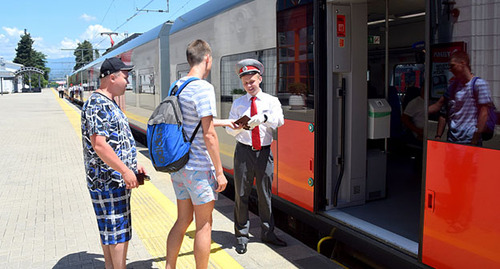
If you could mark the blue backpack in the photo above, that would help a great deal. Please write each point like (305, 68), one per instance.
(167, 141)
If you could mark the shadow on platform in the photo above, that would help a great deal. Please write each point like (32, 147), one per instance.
(90, 260)
(31, 90)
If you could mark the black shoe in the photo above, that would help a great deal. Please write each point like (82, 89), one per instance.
(241, 248)
(275, 241)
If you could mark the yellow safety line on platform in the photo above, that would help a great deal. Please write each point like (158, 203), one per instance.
(73, 116)
(154, 215)
(138, 118)
(158, 214)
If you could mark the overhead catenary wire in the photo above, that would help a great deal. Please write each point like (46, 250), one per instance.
(103, 18)
(106, 14)
(139, 10)
(135, 14)
(130, 18)
(179, 9)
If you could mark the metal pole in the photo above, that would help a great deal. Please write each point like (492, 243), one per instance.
(386, 58)
(29, 75)
(1, 85)
(386, 48)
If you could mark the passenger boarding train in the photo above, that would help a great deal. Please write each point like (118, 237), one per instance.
(344, 71)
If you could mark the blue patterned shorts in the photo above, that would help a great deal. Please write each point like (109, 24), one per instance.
(199, 186)
(112, 209)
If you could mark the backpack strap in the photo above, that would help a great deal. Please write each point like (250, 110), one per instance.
(174, 91)
(172, 87)
(195, 131)
(474, 90)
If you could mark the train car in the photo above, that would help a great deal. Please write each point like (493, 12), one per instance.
(148, 81)
(230, 29)
(344, 72)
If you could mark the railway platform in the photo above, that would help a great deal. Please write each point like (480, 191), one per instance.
(47, 220)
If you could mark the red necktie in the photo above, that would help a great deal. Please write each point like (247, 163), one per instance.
(255, 131)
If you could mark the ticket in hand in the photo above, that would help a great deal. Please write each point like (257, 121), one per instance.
(242, 121)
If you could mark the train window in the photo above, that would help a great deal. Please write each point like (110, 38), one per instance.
(94, 81)
(296, 60)
(231, 87)
(132, 76)
(182, 70)
(408, 80)
(408, 75)
(146, 80)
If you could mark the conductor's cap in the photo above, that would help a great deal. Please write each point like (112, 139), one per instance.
(248, 66)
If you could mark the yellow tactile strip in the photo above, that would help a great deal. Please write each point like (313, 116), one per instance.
(154, 215)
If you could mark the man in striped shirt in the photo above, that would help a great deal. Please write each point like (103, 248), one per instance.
(196, 185)
(466, 104)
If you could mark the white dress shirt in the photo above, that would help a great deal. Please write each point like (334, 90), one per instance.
(266, 104)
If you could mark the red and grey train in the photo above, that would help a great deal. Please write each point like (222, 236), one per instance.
(344, 71)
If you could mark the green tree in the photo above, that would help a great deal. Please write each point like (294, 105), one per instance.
(40, 60)
(27, 56)
(83, 54)
(24, 50)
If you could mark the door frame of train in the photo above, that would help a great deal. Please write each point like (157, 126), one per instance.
(345, 69)
(321, 102)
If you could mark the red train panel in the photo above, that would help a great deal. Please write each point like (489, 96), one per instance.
(462, 200)
(296, 163)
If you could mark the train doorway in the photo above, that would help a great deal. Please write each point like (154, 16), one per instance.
(374, 161)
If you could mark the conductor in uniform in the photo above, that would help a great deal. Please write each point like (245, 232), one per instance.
(252, 156)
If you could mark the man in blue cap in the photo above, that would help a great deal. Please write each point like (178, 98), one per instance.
(253, 157)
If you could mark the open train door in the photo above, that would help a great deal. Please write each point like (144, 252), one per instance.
(362, 179)
(372, 184)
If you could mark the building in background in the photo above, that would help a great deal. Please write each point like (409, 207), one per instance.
(8, 81)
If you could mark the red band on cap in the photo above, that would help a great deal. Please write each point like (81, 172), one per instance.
(249, 68)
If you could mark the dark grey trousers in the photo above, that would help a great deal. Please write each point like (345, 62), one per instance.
(249, 164)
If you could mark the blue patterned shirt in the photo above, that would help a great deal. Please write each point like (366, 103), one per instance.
(103, 117)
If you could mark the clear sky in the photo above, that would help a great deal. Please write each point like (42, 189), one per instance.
(62, 24)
